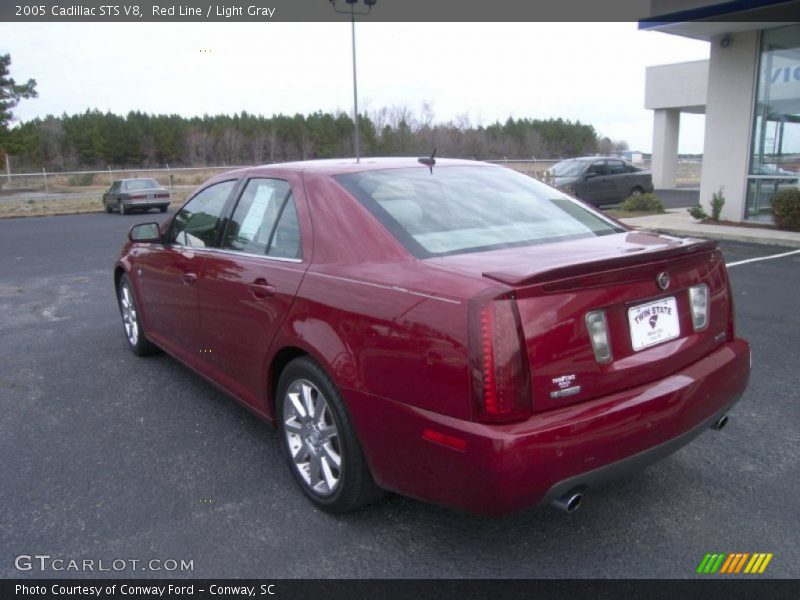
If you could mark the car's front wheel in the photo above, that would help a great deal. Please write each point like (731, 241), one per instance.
(636, 192)
(129, 311)
(319, 440)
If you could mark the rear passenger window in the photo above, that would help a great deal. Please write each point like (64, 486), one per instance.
(598, 168)
(265, 221)
(617, 167)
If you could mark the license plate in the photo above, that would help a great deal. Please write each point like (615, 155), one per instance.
(653, 323)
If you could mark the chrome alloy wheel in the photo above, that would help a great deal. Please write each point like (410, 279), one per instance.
(129, 317)
(312, 437)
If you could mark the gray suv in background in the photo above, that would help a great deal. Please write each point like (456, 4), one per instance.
(599, 179)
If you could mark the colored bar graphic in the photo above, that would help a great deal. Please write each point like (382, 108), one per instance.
(765, 563)
(732, 563)
(725, 567)
(718, 564)
(752, 562)
(703, 563)
(741, 561)
(757, 566)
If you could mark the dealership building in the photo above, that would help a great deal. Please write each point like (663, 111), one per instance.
(749, 91)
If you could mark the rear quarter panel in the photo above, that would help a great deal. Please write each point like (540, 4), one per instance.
(380, 321)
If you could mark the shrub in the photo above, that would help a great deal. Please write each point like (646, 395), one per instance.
(698, 212)
(717, 202)
(642, 203)
(786, 209)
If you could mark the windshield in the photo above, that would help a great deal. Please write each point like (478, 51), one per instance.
(568, 168)
(141, 184)
(464, 209)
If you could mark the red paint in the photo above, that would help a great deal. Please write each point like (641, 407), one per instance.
(461, 350)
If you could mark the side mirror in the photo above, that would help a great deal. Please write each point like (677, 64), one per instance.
(145, 233)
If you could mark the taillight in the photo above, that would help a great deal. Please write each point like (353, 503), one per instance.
(698, 301)
(598, 334)
(501, 380)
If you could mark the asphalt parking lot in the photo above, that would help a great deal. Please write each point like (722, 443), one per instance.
(108, 456)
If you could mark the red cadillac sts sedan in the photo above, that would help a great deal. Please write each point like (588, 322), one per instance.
(456, 332)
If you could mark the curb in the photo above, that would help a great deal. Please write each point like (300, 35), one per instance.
(725, 236)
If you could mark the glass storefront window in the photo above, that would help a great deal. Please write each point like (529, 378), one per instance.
(775, 157)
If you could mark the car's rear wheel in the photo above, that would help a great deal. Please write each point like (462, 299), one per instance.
(637, 191)
(122, 209)
(319, 440)
(131, 322)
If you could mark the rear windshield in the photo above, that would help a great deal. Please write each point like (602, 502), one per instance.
(457, 210)
(141, 184)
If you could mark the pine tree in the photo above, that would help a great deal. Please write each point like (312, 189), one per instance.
(10, 95)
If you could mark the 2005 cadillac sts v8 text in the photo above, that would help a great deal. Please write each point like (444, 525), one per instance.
(448, 330)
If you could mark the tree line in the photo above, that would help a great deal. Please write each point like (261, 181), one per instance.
(96, 139)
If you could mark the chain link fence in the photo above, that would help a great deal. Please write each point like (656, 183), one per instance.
(70, 182)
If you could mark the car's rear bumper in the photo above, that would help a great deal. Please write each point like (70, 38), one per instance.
(141, 204)
(499, 469)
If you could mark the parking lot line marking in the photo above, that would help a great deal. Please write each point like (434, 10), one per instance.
(749, 260)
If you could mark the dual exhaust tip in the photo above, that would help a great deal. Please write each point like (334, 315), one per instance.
(571, 501)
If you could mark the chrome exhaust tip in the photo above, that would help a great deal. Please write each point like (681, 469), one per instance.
(721, 422)
(569, 502)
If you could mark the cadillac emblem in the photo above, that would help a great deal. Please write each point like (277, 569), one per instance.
(663, 280)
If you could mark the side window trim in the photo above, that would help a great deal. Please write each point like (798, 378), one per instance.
(227, 211)
(278, 216)
(231, 210)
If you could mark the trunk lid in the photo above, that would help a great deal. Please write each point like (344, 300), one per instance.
(556, 285)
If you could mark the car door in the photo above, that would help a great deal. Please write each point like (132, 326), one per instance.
(167, 275)
(596, 187)
(248, 285)
(619, 179)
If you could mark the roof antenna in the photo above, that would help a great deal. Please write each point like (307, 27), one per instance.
(429, 162)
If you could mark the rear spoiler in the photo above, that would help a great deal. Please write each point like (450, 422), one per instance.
(576, 269)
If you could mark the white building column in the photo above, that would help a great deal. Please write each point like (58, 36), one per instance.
(729, 118)
(666, 128)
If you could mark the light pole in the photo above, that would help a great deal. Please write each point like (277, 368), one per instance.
(353, 12)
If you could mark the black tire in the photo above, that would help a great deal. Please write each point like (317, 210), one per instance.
(163, 209)
(131, 323)
(355, 486)
(107, 207)
(122, 209)
(636, 191)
